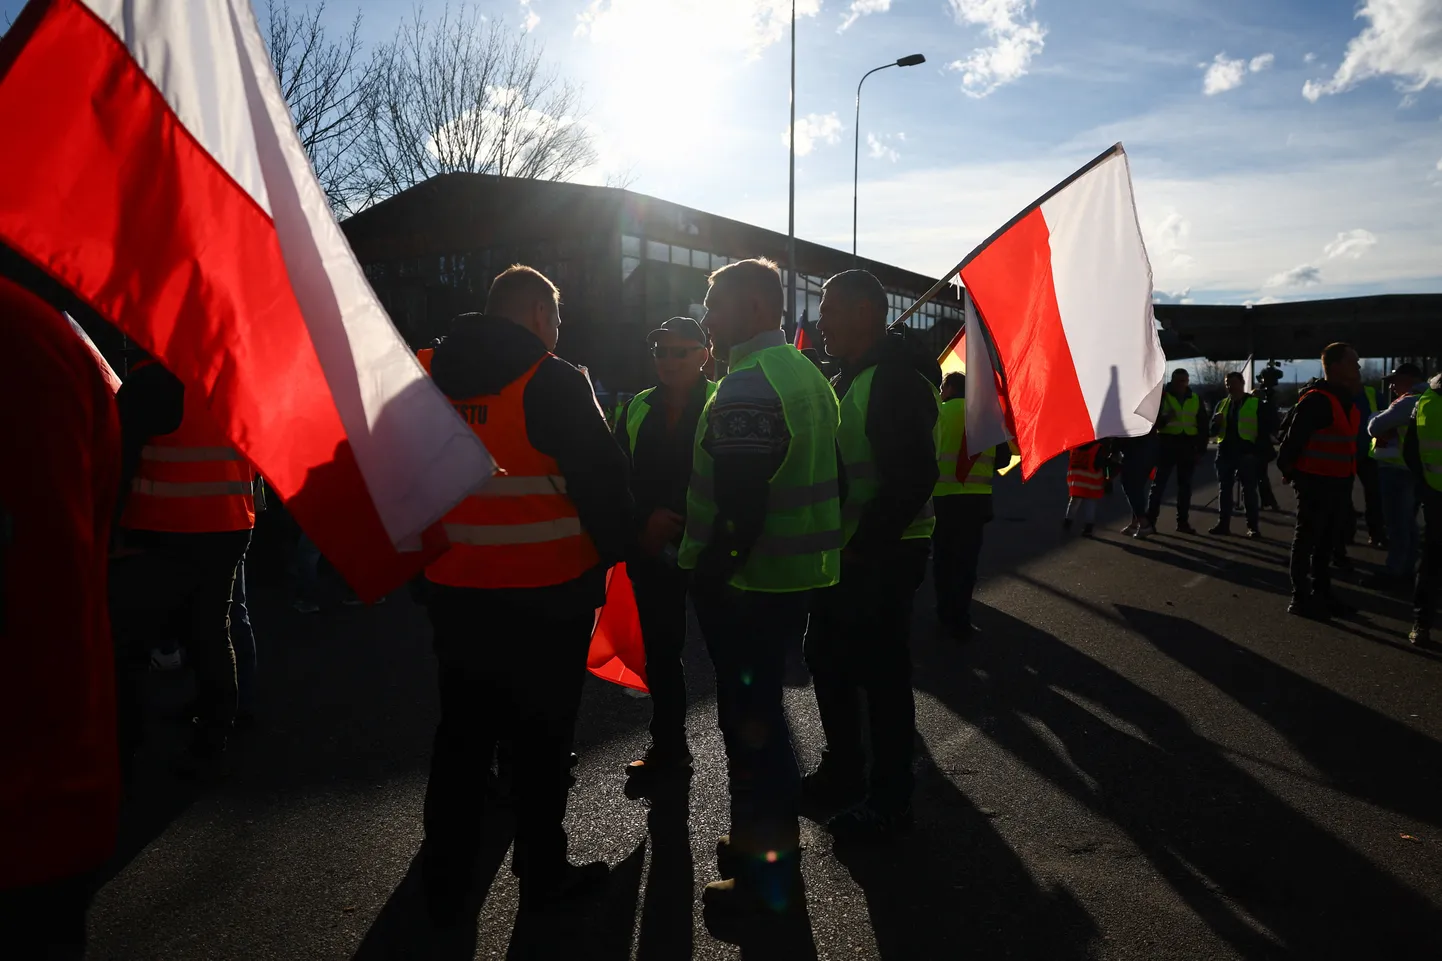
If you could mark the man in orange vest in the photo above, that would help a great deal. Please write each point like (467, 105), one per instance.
(1318, 457)
(60, 797)
(188, 512)
(513, 602)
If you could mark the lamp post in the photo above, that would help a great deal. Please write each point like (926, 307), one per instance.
(791, 189)
(914, 60)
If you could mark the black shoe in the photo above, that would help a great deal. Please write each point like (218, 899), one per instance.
(828, 789)
(204, 758)
(1377, 542)
(661, 761)
(864, 823)
(1420, 636)
(570, 882)
(1184, 528)
(961, 631)
(1087, 529)
(1307, 607)
(1253, 534)
(1336, 607)
(1343, 564)
(1066, 525)
(1221, 530)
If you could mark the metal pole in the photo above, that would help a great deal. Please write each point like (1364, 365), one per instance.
(856, 159)
(791, 202)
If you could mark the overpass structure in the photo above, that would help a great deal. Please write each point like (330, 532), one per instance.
(1391, 325)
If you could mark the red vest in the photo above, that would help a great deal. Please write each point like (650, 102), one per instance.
(520, 530)
(191, 481)
(1084, 475)
(1332, 452)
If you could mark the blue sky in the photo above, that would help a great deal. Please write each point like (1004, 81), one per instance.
(1281, 149)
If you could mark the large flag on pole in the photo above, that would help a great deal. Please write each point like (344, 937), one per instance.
(1065, 294)
(153, 168)
(1247, 373)
(986, 425)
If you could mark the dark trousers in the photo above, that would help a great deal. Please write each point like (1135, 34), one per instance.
(661, 603)
(956, 552)
(1174, 453)
(1322, 505)
(512, 672)
(1265, 493)
(46, 921)
(859, 642)
(242, 638)
(747, 635)
(1231, 468)
(185, 575)
(1138, 458)
(1424, 602)
(1372, 498)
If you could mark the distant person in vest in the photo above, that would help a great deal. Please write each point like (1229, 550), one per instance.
(188, 510)
(1085, 484)
(1180, 441)
(1318, 458)
(962, 501)
(859, 640)
(513, 601)
(1267, 415)
(1238, 428)
(1422, 452)
(1397, 488)
(58, 762)
(763, 529)
(657, 430)
(1367, 405)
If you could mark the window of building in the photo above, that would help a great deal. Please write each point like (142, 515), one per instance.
(658, 251)
(630, 246)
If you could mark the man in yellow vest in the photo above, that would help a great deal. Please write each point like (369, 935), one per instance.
(763, 529)
(1422, 451)
(1180, 440)
(859, 640)
(1396, 487)
(513, 601)
(1238, 429)
(963, 504)
(1367, 471)
(657, 430)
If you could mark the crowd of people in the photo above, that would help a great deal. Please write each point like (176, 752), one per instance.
(788, 510)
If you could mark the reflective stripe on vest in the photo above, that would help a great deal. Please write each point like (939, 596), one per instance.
(191, 481)
(1084, 478)
(1184, 415)
(1246, 420)
(520, 529)
(1332, 452)
(950, 439)
(1428, 425)
(859, 462)
(800, 543)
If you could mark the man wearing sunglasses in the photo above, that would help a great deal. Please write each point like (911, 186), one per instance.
(657, 430)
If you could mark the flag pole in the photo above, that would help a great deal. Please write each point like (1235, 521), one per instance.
(791, 199)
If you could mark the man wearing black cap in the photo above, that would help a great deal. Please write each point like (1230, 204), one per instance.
(1395, 484)
(657, 430)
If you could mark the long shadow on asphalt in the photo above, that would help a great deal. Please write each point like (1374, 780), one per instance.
(1262, 875)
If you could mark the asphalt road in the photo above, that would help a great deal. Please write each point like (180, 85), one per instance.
(1141, 756)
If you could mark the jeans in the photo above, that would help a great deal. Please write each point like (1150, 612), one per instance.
(1367, 471)
(1322, 503)
(1082, 508)
(961, 520)
(1424, 601)
(1230, 468)
(1177, 453)
(242, 638)
(504, 672)
(1397, 490)
(304, 567)
(1138, 458)
(660, 591)
(747, 635)
(859, 643)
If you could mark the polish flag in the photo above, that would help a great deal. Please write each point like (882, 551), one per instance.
(1064, 293)
(803, 339)
(152, 167)
(986, 418)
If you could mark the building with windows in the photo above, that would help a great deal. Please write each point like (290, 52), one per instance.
(624, 263)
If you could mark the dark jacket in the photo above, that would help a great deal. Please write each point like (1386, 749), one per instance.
(661, 462)
(1311, 414)
(900, 424)
(483, 355)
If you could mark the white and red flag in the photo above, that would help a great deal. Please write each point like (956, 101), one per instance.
(151, 165)
(1064, 293)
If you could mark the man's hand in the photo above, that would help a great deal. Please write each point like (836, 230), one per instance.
(662, 527)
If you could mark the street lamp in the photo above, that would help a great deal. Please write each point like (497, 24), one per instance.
(914, 60)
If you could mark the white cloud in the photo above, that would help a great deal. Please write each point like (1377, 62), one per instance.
(875, 148)
(1303, 276)
(1262, 62)
(814, 128)
(1015, 35)
(530, 17)
(859, 9)
(1439, 167)
(1224, 73)
(1262, 302)
(1352, 245)
(1310, 58)
(711, 27)
(1176, 297)
(1167, 239)
(1403, 39)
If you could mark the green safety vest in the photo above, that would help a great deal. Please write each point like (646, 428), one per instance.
(800, 544)
(1246, 420)
(862, 482)
(1428, 423)
(1371, 393)
(951, 434)
(640, 405)
(1184, 416)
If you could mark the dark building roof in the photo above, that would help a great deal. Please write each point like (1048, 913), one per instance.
(1392, 325)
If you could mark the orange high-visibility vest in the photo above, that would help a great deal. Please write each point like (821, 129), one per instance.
(1332, 452)
(520, 529)
(1084, 476)
(191, 481)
